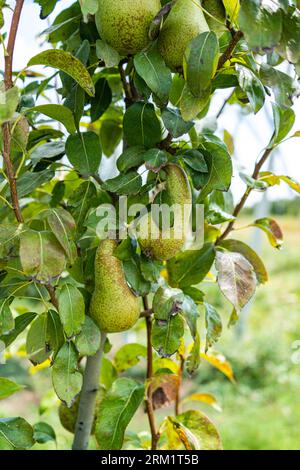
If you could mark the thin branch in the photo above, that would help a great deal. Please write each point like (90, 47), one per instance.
(126, 85)
(180, 376)
(6, 126)
(88, 396)
(52, 294)
(230, 49)
(245, 196)
(149, 405)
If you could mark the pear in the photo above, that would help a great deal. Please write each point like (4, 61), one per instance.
(68, 416)
(217, 10)
(185, 21)
(153, 241)
(113, 307)
(125, 24)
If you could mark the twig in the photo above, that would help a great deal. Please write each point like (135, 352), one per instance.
(180, 375)
(88, 396)
(6, 126)
(245, 196)
(149, 405)
(52, 294)
(230, 49)
(126, 85)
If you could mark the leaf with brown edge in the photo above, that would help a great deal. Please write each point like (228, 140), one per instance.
(218, 361)
(163, 389)
(240, 247)
(272, 229)
(236, 278)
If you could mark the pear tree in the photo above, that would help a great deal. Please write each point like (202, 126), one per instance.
(113, 111)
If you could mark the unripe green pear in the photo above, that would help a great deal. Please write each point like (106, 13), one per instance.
(113, 307)
(217, 10)
(125, 24)
(159, 246)
(68, 416)
(185, 21)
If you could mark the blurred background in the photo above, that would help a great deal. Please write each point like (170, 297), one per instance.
(261, 409)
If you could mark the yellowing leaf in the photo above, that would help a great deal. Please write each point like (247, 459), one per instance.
(219, 362)
(34, 369)
(206, 398)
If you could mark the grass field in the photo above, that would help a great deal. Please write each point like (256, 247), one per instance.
(260, 411)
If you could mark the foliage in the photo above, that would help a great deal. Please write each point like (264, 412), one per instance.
(50, 189)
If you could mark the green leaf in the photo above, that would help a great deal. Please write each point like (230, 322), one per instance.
(8, 388)
(219, 169)
(67, 381)
(195, 160)
(236, 246)
(193, 358)
(284, 119)
(9, 100)
(63, 227)
(213, 324)
(21, 323)
(106, 53)
(190, 267)
(132, 157)
(190, 312)
(47, 152)
(110, 135)
(141, 125)
(167, 335)
(155, 159)
(190, 105)
(29, 181)
(38, 346)
(71, 309)
(67, 63)
(290, 35)
(15, 433)
(174, 122)
(253, 183)
(102, 100)
(42, 257)
(272, 229)
(284, 87)
(236, 278)
(47, 7)
(108, 373)
(252, 86)
(128, 356)
(55, 332)
(84, 152)
(7, 322)
(88, 341)
(116, 411)
(43, 432)
(261, 24)
(130, 183)
(201, 61)
(151, 67)
(57, 112)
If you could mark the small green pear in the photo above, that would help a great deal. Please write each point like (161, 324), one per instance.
(157, 243)
(68, 416)
(125, 24)
(113, 307)
(217, 18)
(185, 21)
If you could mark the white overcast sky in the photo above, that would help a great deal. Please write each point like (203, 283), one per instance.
(251, 133)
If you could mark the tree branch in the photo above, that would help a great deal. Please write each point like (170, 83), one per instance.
(149, 405)
(88, 396)
(247, 193)
(6, 126)
(230, 49)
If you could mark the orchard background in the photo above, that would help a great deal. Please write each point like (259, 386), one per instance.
(230, 121)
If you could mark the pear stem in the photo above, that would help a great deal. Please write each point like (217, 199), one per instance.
(90, 387)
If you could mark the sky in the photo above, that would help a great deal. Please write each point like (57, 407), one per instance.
(251, 133)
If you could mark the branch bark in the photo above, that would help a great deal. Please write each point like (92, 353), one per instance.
(247, 193)
(88, 396)
(6, 126)
(230, 49)
(149, 406)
